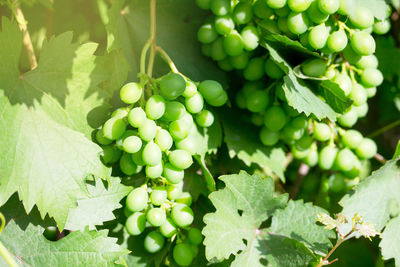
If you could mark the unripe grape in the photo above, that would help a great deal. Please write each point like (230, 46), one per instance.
(172, 86)
(195, 103)
(220, 7)
(322, 132)
(276, 3)
(242, 13)
(148, 130)
(136, 223)
(131, 92)
(366, 149)
(182, 215)
(185, 198)
(327, 157)
(127, 165)
(120, 113)
(298, 23)
(233, 44)
(194, 236)
(254, 70)
(299, 5)
(205, 118)
(275, 118)
(136, 117)
(358, 94)
(337, 183)
(179, 129)
(163, 139)
(315, 14)
(151, 154)
(363, 43)
(283, 12)
(190, 89)
(101, 139)
(273, 70)
(261, 9)
(367, 62)
(110, 154)
(257, 101)
(239, 62)
(345, 159)
(154, 242)
(312, 158)
(156, 216)
(173, 174)
(154, 172)
(271, 26)
(114, 128)
(371, 77)
(207, 33)
(168, 228)
(290, 133)
(137, 158)
(225, 65)
(132, 144)
(174, 191)
(300, 122)
(304, 143)
(268, 137)
(344, 82)
(217, 50)
(190, 144)
(314, 67)
(174, 110)
(352, 138)
(337, 41)
(181, 159)
(155, 107)
(382, 27)
(346, 7)
(250, 37)
(182, 254)
(362, 17)
(318, 36)
(224, 24)
(210, 89)
(348, 119)
(361, 110)
(137, 199)
(328, 6)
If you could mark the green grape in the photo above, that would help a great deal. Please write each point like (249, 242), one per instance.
(257, 119)
(275, 118)
(240, 99)
(50, 233)
(315, 14)
(273, 70)
(279, 92)
(298, 23)
(163, 139)
(367, 62)
(148, 130)
(127, 165)
(275, 4)
(282, 25)
(327, 157)
(366, 149)
(182, 215)
(361, 110)
(351, 56)
(156, 216)
(283, 12)
(337, 183)
(254, 70)
(249, 87)
(217, 49)
(363, 43)
(250, 38)
(120, 113)
(261, 9)
(318, 36)
(179, 129)
(371, 92)
(136, 117)
(271, 26)
(242, 13)
(151, 154)
(210, 89)
(348, 119)
(299, 153)
(132, 144)
(195, 250)
(239, 62)
(358, 95)
(330, 73)
(180, 159)
(219, 101)
(345, 160)
(299, 122)
(346, 7)
(101, 139)
(207, 33)
(337, 41)
(190, 89)
(314, 67)
(352, 138)
(182, 254)
(233, 44)
(189, 144)
(172, 86)
(344, 82)
(220, 7)
(185, 198)
(195, 103)
(224, 25)
(127, 133)
(322, 132)
(137, 158)
(136, 223)
(110, 154)
(204, 4)
(299, 5)
(206, 50)
(154, 172)
(257, 101)
(194, 236)
(362, 17)
(304, 143)
(154, 242)
(168, 228)
(131, 92)
(382, 27)
(371, 77)
(312, 158)
(137, 199)
(174, 110)
(205, 118)
(114, 128)
(290, 133)
(328, 6)
(188, 120)
(174, 191)
(225, 65)
(268, 137)
(173, 174)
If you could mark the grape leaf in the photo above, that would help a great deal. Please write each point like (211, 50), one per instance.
(388, 55)
(98, 206)
(128, 27)
(45, 154)
(370, 199)
(243, 141)
(335, 96)
(298, 93)
(87, 248)
(242, 207)
(390, 243)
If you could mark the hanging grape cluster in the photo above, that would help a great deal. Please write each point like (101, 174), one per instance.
(155, 138)
(340, 32)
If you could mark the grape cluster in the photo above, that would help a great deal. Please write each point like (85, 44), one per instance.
(339, 31)
(156, 138)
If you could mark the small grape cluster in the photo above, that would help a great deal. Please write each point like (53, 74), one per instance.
(158, 135)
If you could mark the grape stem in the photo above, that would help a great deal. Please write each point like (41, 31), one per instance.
(3, 250)
(167, 59)
(152, 39)
(301, 174)
(384, 129)
(380, 158)
(340, 241)
(20, 18)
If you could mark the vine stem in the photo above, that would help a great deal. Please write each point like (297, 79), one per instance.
(380, 158)
(384, 129)
(152, 38)
(167, 59)
(3, 250)
(16, 9)
(325, 260)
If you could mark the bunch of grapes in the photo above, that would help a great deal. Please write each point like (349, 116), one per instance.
(340, 32)
(156, 138)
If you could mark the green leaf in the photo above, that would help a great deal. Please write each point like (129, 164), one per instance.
(388, 53)
(397, 152)
(298, 93)
(46, 153)
(243, 142)
(210, 182)
(177, 25)
(335, 96)
(98, 207)
(371, 198)
(299, 74)
(390, 243)
(87, 248)
(242, 207)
